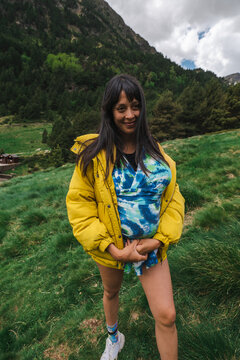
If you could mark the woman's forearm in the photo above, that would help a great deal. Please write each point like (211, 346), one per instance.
(114, 251)
(128, 254)
(145, 246)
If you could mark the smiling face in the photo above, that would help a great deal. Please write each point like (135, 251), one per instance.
(125, 115)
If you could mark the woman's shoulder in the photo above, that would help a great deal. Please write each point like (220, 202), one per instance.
(170, 161)
(82, 140)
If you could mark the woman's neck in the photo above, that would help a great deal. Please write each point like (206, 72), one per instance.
(129, 145)
(129, 148)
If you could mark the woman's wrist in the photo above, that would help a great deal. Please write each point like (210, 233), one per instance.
(114, 251)
(159, 243)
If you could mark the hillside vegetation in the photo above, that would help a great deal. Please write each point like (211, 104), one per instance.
(23, 139)
(51, 307)
(26, 140)
(56, 57)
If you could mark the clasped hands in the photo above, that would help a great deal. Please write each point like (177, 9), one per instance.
(134, 251)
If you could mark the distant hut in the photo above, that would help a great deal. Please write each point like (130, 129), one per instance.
(9, 159)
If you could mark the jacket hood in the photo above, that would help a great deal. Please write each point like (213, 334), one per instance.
(81, 141)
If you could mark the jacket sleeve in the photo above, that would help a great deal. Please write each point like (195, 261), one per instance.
(171, 221)
(83, 212)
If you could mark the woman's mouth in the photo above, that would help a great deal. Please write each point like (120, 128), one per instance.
(130, 124)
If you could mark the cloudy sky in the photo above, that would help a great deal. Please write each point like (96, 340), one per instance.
(193, 33)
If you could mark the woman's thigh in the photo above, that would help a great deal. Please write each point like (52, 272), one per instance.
(111, 278)
(157, 285)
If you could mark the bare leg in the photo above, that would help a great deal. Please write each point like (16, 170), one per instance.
(157, 286)
(112, 280)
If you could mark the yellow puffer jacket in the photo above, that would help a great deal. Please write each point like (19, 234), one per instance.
(93, 213)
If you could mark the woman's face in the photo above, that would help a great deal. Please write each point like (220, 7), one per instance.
(125, 114)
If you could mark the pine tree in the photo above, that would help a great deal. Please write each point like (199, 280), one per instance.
(44, 136)
(164, 124)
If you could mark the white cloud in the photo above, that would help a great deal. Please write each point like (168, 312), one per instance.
(173, 28)
(220, 49)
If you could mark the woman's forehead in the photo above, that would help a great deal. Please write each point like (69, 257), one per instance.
(124, 97)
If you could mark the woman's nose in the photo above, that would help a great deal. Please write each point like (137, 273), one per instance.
(129, 113)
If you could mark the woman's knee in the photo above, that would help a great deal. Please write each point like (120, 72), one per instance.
(110, 293)
(165, 317)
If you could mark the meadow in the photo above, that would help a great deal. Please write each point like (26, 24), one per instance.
(51, 292)
(23, 139)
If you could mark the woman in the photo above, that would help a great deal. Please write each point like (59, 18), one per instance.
(125, 209)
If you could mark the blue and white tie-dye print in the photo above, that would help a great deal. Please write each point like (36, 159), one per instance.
(139, 202)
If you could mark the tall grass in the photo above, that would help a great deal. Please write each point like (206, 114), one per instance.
(51, 291)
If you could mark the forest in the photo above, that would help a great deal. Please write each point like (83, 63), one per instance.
(56, 57)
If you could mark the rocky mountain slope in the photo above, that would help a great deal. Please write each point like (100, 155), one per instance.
(88, 17)
(232, 79)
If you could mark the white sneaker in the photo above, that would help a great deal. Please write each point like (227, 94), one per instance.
(112, 349)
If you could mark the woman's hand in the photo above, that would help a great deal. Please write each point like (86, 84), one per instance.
(128, 254)
(145, 246)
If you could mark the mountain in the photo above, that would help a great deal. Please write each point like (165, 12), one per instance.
(70, 17)
(91, 34)
(57, 55)
(232, 79)
(113, 23)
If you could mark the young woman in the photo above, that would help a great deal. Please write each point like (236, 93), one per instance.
(125, 209)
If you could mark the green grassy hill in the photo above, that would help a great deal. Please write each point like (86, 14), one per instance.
(50, 306)
(23, 139)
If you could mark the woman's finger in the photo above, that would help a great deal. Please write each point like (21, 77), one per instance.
(127, 243)
(140, 249)
(143, 257)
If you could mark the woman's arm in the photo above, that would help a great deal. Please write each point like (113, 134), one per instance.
(170, 226)
(171, 222)
(145, 246)
(83, 213)
(128, 254)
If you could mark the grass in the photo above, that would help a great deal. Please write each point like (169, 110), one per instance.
(51, 291)
(23, 139)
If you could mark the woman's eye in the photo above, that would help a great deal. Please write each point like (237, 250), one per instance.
(135, 107)
(121, 109)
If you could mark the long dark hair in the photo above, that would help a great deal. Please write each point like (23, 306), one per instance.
(108, 132)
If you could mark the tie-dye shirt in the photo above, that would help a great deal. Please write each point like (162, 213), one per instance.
(139, 196)
(139, 203)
